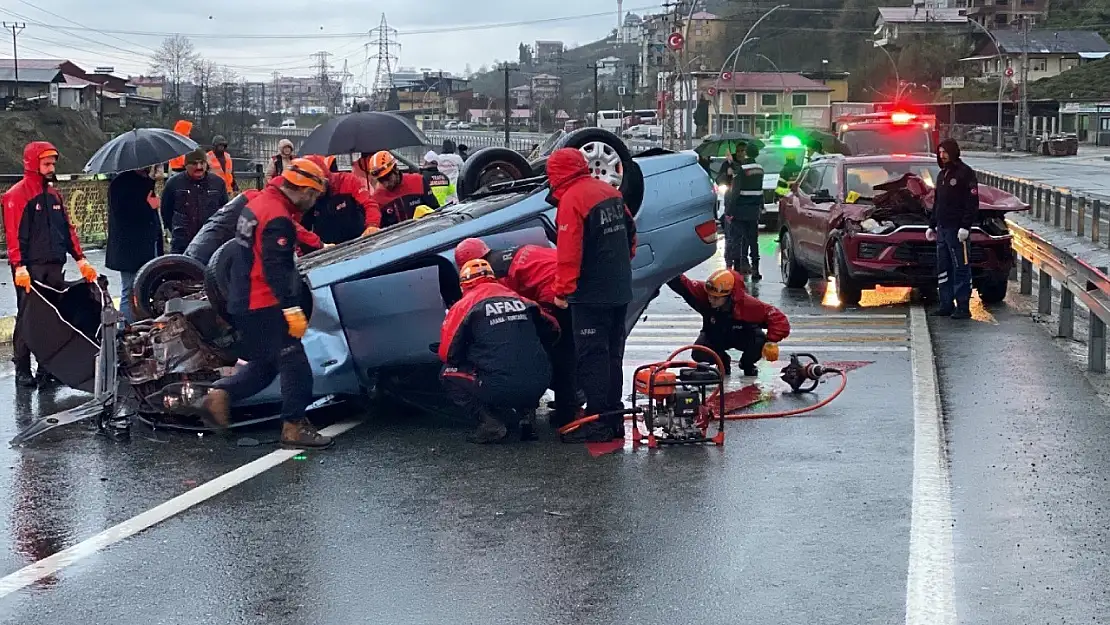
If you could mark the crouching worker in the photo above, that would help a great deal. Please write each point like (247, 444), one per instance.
(264, 303)
(493, 347)
(732, 319)
(530, 271)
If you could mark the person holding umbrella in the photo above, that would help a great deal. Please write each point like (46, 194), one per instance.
(134, 230)
(39, 235)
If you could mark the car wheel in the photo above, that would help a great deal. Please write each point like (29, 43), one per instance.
(992, 289)
(848, 291)
(162, 279)
(217, 277)
(609, 159)
(491, 165)
(794, 275)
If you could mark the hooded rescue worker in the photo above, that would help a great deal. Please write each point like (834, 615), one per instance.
(955, 207)
(438, 182)
(189, 198)
(732, 319)
(788, 175)
(184, 128)
(492, 345)
(345, 211)
(39, 236)
(397, 194)
(530, 271)
(264, 303)
(281, 160)
(219, 163)
(743, 207)
(596, 243)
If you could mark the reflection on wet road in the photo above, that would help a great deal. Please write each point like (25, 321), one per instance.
(800, 520)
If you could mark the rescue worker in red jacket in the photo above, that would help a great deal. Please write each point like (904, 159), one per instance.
(264, 302)
(530, 271)
(595, 246)
(492, 345)
(346, 211)
(39, 236)
(733, 319)
(397, 194)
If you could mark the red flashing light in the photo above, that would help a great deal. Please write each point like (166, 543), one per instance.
(901, 117)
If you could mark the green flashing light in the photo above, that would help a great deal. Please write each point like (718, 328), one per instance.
(790, 141)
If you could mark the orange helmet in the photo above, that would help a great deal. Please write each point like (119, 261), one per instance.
(381, 165)
(720, 283)
(321, 162)
(475, 272)
(329, 162)
(302, 172)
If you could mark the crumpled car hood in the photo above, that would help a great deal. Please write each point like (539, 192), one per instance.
(990, 199)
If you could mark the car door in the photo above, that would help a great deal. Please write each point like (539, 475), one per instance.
(803, 227)
(824, 200)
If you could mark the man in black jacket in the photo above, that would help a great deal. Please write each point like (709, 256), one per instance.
(954, 211)
(134, 230)
(189, 199)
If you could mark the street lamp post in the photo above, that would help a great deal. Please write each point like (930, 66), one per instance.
(897, 76)
(735, 54)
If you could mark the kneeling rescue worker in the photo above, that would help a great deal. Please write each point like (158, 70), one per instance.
(732, 319)
(39, 236)
(493, 347)
(397, 194)
(530, 271)
(264, 303)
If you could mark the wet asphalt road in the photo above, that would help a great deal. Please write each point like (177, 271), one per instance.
(1083, 174)
(803, 520)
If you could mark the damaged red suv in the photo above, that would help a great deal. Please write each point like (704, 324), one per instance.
(862, 220)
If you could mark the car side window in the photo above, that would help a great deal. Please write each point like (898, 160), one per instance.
(811, 180)
(830, 181)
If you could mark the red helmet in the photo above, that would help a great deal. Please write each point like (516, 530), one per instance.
(470, 249)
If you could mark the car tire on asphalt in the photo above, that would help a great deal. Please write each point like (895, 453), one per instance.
(609, 159)
(794, 275)
(848, 291)
(992, 290)
(490, 165)
(217, 276)
(162, 279)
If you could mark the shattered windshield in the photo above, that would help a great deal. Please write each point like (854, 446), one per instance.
(862, 178)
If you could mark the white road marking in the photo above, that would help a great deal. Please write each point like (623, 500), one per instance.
(50, 565)
(679, 316)
(930, 580)
(795, 331)
(642, 351)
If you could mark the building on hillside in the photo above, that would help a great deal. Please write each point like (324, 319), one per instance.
(893, 22)
(62, 83)
(608, 67)
(546, 87)
(630, 31)
(996, 13)
(837, 81)
(760, 102)
(548, 51)
(149, 86)
(1050, 52)
(521, 96)
(654, 30)
(704, 31)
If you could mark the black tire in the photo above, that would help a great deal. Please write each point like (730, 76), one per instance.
(848, 291)
(794, 275)
(490, 165)
(217, 276)
(162, 279)
(992, 290)
(632, 181)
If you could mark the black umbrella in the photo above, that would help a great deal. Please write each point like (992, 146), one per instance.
(139, 149)
(725, 144)
(369, 132)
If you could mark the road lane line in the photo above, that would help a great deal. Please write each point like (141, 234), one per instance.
(650, 353)
(52, 564)
(831, 316)
(930, 583)
(796, 331)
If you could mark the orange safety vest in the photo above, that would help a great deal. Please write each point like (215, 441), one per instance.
(182, 127)
(218, 168)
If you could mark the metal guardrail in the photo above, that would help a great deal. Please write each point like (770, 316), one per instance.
(1076, 212)
(1077, 279)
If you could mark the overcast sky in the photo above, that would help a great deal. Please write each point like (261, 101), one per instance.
(459, 38)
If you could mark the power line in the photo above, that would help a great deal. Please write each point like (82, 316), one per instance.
(62, 17)
(383, 76)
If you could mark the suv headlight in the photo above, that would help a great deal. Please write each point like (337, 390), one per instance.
(722, 189)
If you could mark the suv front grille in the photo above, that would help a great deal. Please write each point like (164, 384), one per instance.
(926, 253)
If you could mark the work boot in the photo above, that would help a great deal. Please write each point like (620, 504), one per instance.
(592, 432)
(756, 276)
(528, 426)
(45, 378)
(24, 378)
(303, 435)
(961, 314)
(943, 311)
(217, 409)
(489, 430)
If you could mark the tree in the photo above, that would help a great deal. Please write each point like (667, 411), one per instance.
(203, 72)
(174, 60)
(524, 55)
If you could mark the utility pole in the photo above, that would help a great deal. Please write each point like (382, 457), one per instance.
(507, 69)
(277, 96)
(1024, 136)
(386, 39)
(635, 84)
(597, 122)
(16, 28)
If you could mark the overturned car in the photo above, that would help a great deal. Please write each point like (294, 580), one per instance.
(375, 304)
